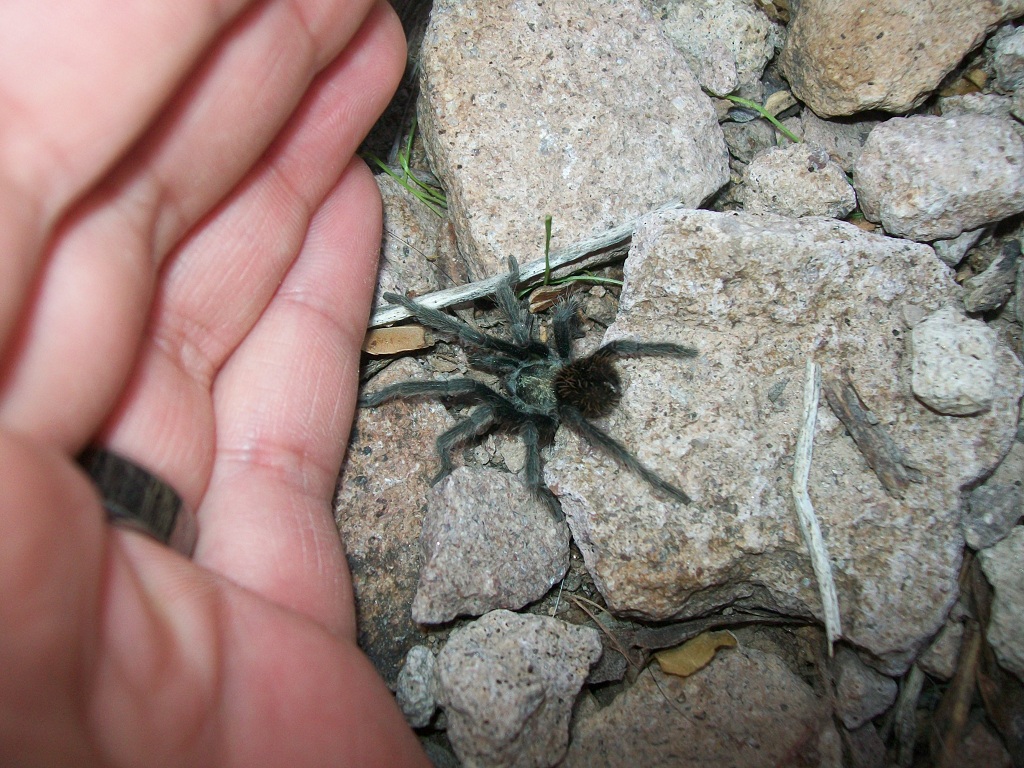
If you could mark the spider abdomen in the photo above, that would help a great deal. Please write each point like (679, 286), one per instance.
(590, 384)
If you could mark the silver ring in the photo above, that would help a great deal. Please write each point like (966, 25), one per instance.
(137, 499)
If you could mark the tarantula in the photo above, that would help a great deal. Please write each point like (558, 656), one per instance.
(544, 386)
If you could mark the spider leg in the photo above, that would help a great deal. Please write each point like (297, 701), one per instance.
(439, 321)
(493, 407)
(616, 450)
(563, 321)
(456, 388)
(493, 362)
(519, 321)
(532, 470)
(478, 421)
(630, 348)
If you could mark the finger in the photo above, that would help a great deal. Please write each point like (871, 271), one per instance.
(284, 404)
(50, 569)
(61, 62)
(208, 304)
(95, 292)
(218, 284)
(210, 674)
(118, 651)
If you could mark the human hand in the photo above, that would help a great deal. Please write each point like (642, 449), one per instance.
(188, 259)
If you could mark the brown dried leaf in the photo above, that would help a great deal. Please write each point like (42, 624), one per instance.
(392, 341)
(694, 654)
(544, 297)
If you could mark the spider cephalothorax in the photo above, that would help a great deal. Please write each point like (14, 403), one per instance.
(544, 386)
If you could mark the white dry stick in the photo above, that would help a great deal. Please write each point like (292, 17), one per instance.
(805, 511)
(461, 293)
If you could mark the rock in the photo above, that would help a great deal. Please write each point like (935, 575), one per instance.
(844, 140)
(982, 747)
(930, 178)
(1008, 61)
(861, 693)
(1003, 565)
(842, 58)
(994, 509)
(439, 755)
(587, 100)
(379, 510)
(416, 692)
(412, 235)
(954, 363)
(747, 139)
(952, 251)
(757, 296)
(940, 658)
(867, 750)
(488, 543)
(990, 290)
(991, 104)
(796, 180)
(1019, 292)
(508, 683)
(1017, 104)
(725, 42)
(744, 709)
(513, 454)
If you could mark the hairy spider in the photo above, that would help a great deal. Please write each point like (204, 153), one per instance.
(543, 385)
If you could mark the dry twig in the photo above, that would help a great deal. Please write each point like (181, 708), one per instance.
(462, 293)
(884, 458)
(809, 527)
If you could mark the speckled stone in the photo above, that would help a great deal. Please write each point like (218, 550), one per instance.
(581, 109)
(508, 683)
(955, 363)
(842, 58)
(929, 178)
(757, 296)
(487, 543)
(744, 709)
(796, 180)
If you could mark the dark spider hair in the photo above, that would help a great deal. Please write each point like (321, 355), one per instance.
(544, 386)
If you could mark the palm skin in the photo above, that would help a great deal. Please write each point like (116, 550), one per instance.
(189, 250)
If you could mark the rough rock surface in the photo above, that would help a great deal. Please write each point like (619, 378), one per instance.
(725, 42)
(861, 693)
(954, 363)
(488, 543)
(998, 504)
(1008, 60)
(508, 682)
(952, 251)
(796, 180)
(416, 692)
(995, 509)
(991, 104)
(940, 658)
(930, 178)
(757, 296)
(843, 140)
(406, 264)
(1003, 565)
(990, 290)
(843, 57)
(379, 511)
(588, 100)
(747, 139)
(719, 717)
(1019, 291)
